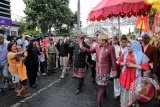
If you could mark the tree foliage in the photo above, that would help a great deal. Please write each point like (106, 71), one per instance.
(31, 32)
(46, 14)
(25, 28)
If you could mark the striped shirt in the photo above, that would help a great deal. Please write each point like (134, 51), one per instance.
(3, 53)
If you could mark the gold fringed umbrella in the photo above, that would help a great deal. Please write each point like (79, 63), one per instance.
(155, 4)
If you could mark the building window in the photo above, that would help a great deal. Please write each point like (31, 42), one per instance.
(13, 33)
(5, 8)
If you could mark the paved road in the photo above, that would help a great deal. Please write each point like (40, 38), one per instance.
(53, 92)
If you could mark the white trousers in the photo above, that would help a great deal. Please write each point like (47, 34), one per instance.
(64, 63)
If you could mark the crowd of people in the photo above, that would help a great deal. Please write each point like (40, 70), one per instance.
(125, 59)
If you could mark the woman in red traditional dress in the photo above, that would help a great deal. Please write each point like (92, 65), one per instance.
(133, 61)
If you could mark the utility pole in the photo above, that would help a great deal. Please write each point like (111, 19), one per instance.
(78, 16)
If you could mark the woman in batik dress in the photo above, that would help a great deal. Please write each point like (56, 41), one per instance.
(133, 62)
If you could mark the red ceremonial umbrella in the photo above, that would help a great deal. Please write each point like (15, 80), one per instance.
(122, 8)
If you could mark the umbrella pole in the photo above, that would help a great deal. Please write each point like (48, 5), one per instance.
(112, 30)
(119, 26)
(141, 28)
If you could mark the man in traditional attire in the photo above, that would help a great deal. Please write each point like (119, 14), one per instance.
(106, 59)
(151, 52)
(80, 63)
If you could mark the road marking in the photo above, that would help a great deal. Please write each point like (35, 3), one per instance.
(36, 93)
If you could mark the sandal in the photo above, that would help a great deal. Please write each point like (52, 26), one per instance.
(19, 97)
(27, 95)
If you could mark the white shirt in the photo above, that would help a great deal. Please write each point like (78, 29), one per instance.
(117, 50)
(94, 54)
(123, 50)
(145, 48)
(5, 41)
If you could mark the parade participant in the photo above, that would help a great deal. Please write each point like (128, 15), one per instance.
(116, 45)
(151, 52)
(133, 61)
(11, 56)
(32, 62)
(70, 51)
(51, 52)
(93, 56)
(79, 63)
(116, 80)
(119, 51)
(123, 47)
(64, 55)
(105, 58)
(3, 61)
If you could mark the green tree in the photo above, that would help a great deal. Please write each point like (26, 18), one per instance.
(25, 28)
(31, 32)
(46, 14)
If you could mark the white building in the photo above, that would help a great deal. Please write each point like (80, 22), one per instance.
(6, 25)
